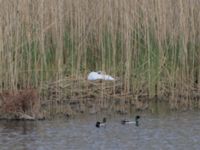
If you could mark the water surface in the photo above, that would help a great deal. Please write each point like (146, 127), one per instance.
(175, 131)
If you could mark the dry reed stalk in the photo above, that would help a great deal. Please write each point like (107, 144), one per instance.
(155, 42)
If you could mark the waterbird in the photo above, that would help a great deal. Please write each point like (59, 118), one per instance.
(101, 124)
(136, 122)
(99, 75)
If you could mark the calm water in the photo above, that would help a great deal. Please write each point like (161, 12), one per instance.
(177, 131)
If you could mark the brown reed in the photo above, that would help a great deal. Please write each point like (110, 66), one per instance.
(153, 46)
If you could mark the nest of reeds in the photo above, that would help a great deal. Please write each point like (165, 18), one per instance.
(72, 95)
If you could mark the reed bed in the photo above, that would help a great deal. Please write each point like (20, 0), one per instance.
(152, 46)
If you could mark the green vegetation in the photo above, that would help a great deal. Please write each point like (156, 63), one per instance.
(153, 46)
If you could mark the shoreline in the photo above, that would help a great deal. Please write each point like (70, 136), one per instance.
(72, 110)
(68, 98)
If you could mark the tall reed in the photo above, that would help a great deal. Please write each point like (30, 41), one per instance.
(151, 45)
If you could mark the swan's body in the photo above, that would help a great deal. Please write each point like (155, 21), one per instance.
(99, 76)
(136, 122)
(101, 124)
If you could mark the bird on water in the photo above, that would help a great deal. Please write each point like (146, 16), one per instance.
(136, 122)
(101, 124)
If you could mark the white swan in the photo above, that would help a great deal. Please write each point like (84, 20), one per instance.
(99, 76)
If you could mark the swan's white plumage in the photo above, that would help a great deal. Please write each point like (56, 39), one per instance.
(99, 76)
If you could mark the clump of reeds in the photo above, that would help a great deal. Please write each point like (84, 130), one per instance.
(22, 104)
(153, 46)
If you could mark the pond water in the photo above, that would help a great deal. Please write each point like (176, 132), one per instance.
(175, 131)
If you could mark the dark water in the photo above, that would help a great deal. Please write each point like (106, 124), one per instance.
(175, 131)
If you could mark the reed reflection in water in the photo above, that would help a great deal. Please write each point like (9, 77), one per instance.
(172, 131)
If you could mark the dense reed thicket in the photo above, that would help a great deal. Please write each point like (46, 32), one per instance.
(153, 46)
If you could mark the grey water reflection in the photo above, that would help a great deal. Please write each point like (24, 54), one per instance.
(175, 131)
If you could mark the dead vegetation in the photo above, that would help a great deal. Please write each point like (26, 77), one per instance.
(152, 45)
(21, 104)
(70, 96)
